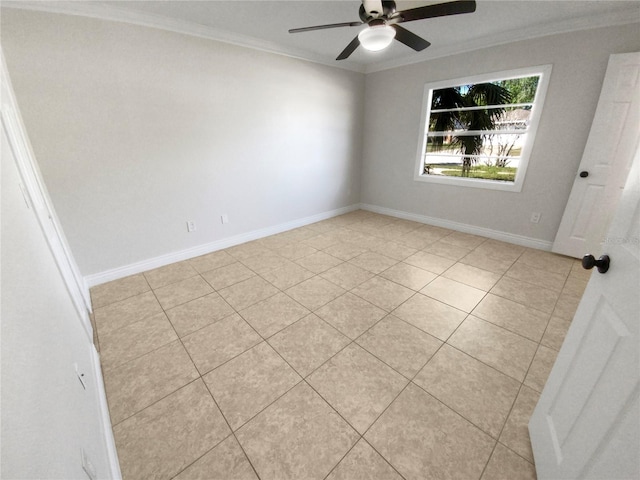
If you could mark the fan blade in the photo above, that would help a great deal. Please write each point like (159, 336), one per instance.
(355, 43)
(322, 27)
(438, 10)
(410, 39)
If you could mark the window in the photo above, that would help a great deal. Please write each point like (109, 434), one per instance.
(479, 131)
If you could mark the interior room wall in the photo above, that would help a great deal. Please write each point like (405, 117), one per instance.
(392, 132)
(139, 130)
(48, 418)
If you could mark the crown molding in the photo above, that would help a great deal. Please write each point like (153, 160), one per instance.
(119, 14)
(112, 13)
(610, 19)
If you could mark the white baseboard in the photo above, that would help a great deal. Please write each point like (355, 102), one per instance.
(462, 227)
(161, 261)
(149, 264)
(107, 431)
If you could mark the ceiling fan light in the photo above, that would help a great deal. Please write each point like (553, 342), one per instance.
(377, 37)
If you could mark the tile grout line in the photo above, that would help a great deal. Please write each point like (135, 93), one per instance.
(496, 439)
(233, 433)
(201, 378)
(313, 311)
(178, 339)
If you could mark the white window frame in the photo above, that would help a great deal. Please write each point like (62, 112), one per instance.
(544, 71)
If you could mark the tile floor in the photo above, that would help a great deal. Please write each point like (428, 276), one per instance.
(362, 346)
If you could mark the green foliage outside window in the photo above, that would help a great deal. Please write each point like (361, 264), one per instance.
(459, 125)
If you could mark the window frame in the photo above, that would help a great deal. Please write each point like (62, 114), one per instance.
(544, 71)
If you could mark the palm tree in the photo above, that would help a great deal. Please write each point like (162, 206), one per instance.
(456, 101)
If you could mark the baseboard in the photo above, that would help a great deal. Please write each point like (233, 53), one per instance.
(462, 227)
(107, 431)
(161, 261)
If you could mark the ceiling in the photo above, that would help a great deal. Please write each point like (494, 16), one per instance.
(264, 24)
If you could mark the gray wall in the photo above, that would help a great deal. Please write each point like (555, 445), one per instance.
(138, 130)
(392, 124)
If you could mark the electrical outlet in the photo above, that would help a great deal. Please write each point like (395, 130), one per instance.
(224, 218)
(88, 467)
(535, 217)
(191, 226)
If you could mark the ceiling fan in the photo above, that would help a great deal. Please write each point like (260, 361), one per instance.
(382, 19)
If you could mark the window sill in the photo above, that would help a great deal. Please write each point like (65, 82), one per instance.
(471, 182)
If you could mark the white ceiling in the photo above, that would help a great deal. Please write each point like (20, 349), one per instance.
(264, 24)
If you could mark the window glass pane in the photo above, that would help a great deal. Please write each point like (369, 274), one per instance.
(523, 90)
(479, 130)
(493, 145)
(480, 171)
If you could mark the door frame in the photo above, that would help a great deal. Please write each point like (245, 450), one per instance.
(37, 198)
(597, 224)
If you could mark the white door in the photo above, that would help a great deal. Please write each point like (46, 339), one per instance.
(587, 421)
(36, 197)
(606, 160)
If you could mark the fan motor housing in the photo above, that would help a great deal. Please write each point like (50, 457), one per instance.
(388, 9)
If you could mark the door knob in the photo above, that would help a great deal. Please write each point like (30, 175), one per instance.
(584, 174)
(589, 261)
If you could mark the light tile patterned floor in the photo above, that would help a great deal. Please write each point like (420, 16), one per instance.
(362, 346)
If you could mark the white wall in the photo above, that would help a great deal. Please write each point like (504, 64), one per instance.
(138, 130)
(392, 121)
(47, 417)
